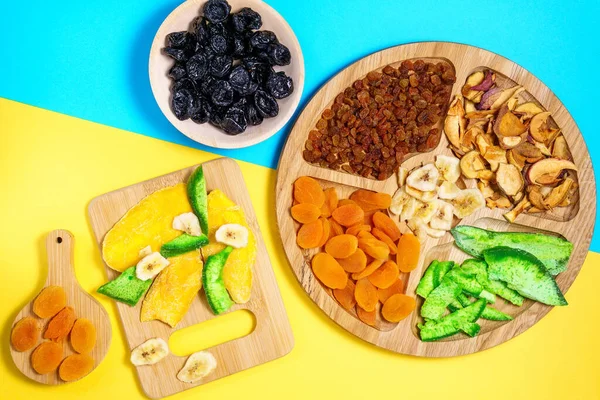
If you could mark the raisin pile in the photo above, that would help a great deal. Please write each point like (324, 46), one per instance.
(374, 124)
(223, 72)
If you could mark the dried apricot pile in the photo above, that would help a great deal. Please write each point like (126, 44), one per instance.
(49, 355)
(361, 250)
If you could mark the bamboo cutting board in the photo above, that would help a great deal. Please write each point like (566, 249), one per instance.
(272, 337)
(575, 222)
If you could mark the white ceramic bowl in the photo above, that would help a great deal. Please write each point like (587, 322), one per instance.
(207, 134)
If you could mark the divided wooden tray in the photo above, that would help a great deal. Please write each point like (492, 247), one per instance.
(575, 223)
(272, 337)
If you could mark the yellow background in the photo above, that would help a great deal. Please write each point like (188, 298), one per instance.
(52, 165)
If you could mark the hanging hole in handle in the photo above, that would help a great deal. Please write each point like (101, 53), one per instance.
(59, 240)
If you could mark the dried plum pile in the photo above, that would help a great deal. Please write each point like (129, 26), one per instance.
(223, 71)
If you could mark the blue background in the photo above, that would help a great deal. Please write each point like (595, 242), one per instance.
(89, 58)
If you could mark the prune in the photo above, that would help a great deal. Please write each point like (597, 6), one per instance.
(184, 83)
(278, 54)
(206, 85)
(197, 67)
(246, 19)
(265, 104)
(239, 77)
(261, 40)
(178, 40)
(220, 66)
(177, 72)
(234, 122)
(239, 49)
(218, 44)
(222, 93)
(203, 112)
(253, 62)
(217, 29)
(216, 10)
(200, 29)
(279, 85)
(176, 54)
(217, 114)
(252, 115)
(180, 103)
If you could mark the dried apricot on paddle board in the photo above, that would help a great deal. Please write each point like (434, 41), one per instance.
(309, 235)
(398, 307)
(305, 213)
(345, 296)
(148, 223)
(356, 262)
(308, 190)
(366, 295)
(50, 301)
(369, 201)
(75, 366)
(25, 334)
(336, 229)
(348, 215)
(173, 290)
(238, 270)
(331, 202)
(396, 288)
(341, 246)
(328, 271)
(326, 231)
(46, 357)
(355, 229)
(408, 252)
(379, 234)
(384, 276)
(368, 317)
(60, 325)
(385, 223)
(373, 265)
(83, 336)
(374, 247)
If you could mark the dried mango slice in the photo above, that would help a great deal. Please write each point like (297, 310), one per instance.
(173, 290)
(148, 223)
(237, 273)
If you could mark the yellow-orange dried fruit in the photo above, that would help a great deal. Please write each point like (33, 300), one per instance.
(331, 202)
(374, 247)
(369, 200)
(329, 271)
(368, 317)
(396, 288)
(306, 213)
(25, 334)
(50, 301)
(354, 229)
(336, 229)
(76, 366)
(344, 202)
(398, 307)
(408, 252)
(384, 276)
(379, 234)
(345, 296)
(385, 223)
(365, 234)
(310, 235)
(373, 265)
(83, 335)
(308, 190)
(326, 231)
(348, 215)
(60, 325)
(366, 294)
(368, 218)
(46, 357)
(341, 246)
(356, 262)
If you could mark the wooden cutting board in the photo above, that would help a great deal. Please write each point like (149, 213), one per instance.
(575, 222)
(272, 337)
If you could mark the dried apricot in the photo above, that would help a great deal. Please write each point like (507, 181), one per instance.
(379, 234)
(76, 366)
(375, 248)
(60, 325)
(309, 235)
(341, 246)
(331, 202)
(306, 213)
(336, 229)
(368, 317)
(369, 200)
(384, 276)
(365, 234)
(385, 223)
(354, 229)
(83, 335)
(25, 334)
(326, 231)
(329, 271)
(366, 294)
(345, 296)
(356, 262)
(46, 357)
(373, 265)
(368, 218)
(345, 202)
(50, 301)
(384, 294)
(408, 252)
(398, 307)
(308, 190)
(348, 215)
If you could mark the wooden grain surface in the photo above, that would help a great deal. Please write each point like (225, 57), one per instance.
(576, 223)
(272, 337)
(159, 65)
(59, 247)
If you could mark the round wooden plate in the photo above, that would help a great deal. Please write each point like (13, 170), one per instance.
(575, 223)
(159, 65)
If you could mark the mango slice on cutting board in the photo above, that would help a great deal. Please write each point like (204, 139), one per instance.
(148, 223)
(173, 290)
(237, 273)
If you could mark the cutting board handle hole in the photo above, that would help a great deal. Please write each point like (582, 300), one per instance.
(212, 332)
(59, 240)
